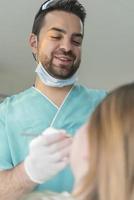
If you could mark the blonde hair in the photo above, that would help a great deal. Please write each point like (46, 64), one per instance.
(111, 148)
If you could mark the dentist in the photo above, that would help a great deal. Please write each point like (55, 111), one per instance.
(56, 101)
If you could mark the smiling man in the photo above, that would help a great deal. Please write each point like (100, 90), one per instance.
(54, 106)
(59, 44)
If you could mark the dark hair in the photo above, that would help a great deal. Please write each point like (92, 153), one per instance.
(72, 6)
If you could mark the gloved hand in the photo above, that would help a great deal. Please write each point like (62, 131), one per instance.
(48, 155)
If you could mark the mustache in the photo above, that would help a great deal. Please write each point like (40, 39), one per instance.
(65, 53)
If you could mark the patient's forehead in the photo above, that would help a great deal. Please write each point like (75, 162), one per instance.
(80, 139)
(82, 131)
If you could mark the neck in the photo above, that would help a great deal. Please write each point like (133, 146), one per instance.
(55, 94)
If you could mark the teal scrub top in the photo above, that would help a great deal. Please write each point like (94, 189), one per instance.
(31, 112)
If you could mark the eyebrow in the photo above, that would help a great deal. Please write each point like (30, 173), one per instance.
(63, 31)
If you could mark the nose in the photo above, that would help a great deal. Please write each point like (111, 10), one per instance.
(66, 44)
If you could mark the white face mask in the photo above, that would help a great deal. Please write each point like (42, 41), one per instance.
(47, 79)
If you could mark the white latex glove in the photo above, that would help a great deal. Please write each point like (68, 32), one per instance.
(48, 155)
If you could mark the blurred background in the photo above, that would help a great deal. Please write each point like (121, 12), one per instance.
(108, 47)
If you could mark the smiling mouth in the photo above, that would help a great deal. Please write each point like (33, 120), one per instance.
(64, 59)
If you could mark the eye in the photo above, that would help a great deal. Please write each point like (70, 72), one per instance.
(76, 43)
(56, 37)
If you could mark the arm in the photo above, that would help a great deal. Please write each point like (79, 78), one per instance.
(48, 154)
(15, 183)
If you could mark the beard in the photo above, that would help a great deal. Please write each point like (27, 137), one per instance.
(61, 70)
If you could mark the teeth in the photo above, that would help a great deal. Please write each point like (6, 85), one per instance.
(64, 59)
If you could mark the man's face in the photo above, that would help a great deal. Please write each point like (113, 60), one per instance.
(59, 44)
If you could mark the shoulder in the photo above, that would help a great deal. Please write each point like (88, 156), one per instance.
(15, 99)
(90, 92)
(10, 104)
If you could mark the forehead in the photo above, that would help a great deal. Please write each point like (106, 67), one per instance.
(83, 131)
(65, 20)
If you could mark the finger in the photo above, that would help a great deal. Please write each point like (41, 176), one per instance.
(57, 167)
(51, 130)
(36, 141)
(60, 145)
(54, 138)
(60, 155)
(44, 154)
(47, 139)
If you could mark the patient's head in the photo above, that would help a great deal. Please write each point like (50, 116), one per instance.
(102, 157)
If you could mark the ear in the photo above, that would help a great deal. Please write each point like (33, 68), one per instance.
(33, 42)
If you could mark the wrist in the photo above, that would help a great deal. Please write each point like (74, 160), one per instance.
(29, 184)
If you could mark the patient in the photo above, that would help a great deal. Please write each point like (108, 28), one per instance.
(102, 156)
(108, 150)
